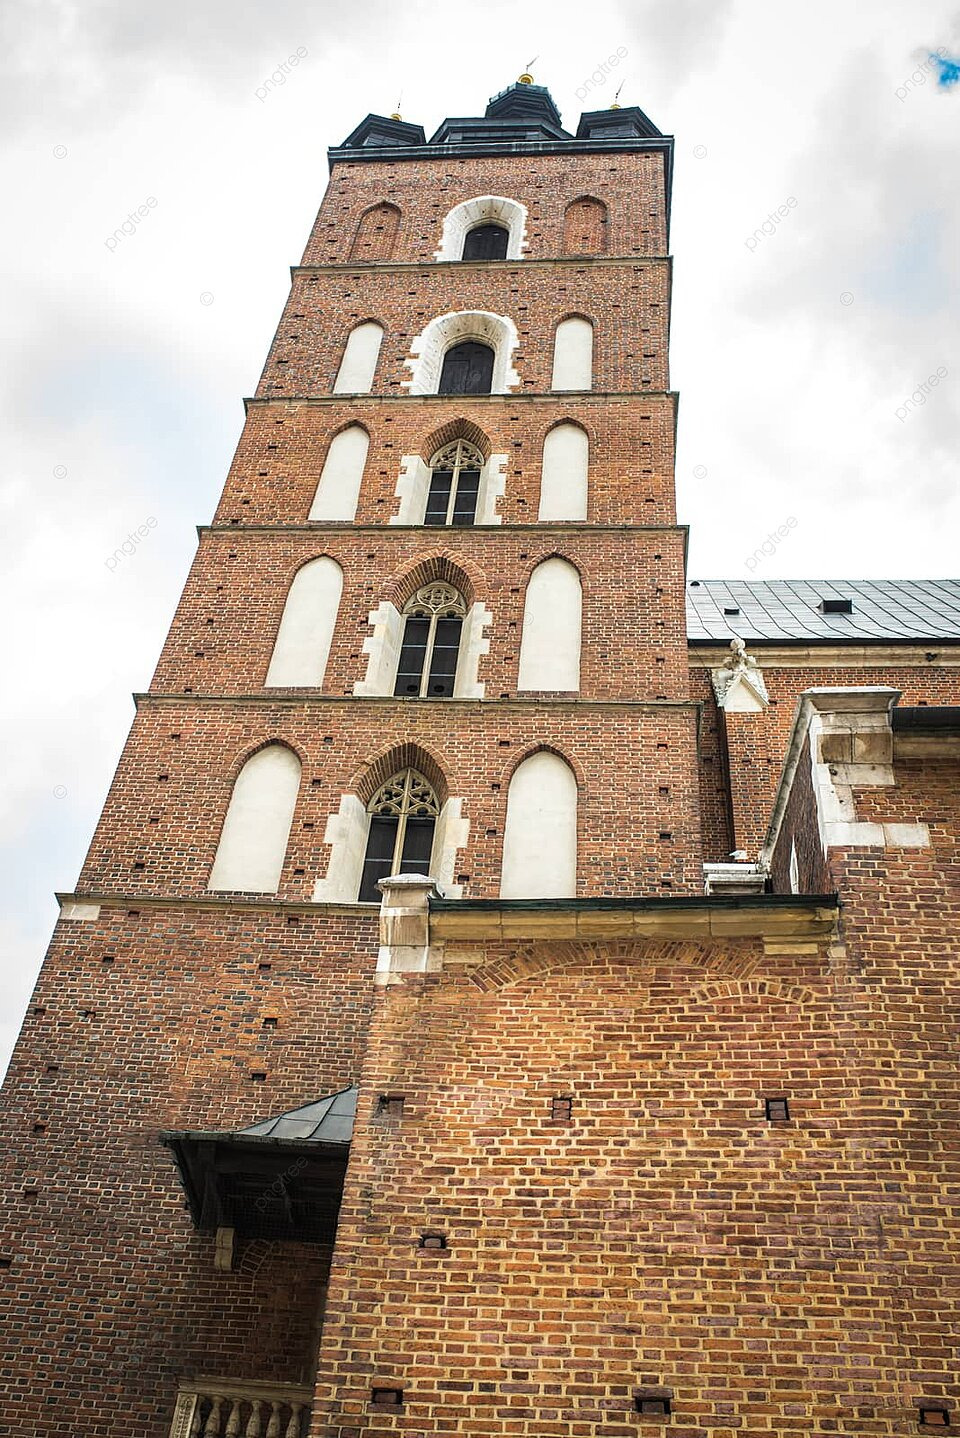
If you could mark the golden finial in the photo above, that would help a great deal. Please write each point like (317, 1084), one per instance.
(396, 114)
(526, 78)
(616, 98)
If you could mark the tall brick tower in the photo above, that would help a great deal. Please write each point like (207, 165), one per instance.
(391, 1069)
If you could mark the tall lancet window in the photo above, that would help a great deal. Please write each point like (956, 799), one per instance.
(454, 484)
(431, 643)
(486, 242)
(403, 816)
(467, 369)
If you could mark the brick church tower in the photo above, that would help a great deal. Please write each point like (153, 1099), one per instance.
(391, 1069)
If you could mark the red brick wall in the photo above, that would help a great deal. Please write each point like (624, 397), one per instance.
(111, 1296)
(669, 1236)
(758, 742)
(631, 186)
(280, 455)
(627, 304)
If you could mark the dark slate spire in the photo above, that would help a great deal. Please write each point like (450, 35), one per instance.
(522, 112)
(377, 131)
(629, 123)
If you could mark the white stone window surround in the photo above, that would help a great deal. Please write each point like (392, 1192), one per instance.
(484, 210)
(383, 648)
(413, 487)
(428, 348)
(347, 830)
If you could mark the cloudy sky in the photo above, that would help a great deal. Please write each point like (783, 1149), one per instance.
(126, 365)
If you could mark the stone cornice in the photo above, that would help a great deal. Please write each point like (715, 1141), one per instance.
(271, 697)
(380, 267)
(919, 653)
(567, 397)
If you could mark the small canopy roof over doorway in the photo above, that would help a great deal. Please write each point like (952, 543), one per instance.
(281, 1178)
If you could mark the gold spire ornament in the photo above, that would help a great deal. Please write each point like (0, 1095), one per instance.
(526, 78)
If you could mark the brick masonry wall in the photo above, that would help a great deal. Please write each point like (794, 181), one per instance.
(627, 304)
(632, 582)
(669, 1236)
(151, 1017)
(631, 187)
(280, 455)
(166, 806)
(758, 742)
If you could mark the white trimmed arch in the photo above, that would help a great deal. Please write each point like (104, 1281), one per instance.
(483, 210)
(428, 348)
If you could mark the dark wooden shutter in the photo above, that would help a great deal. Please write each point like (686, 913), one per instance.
(379, 857)
(467, 369)
(486, 242)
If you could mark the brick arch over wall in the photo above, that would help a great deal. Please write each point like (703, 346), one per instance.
(716, 971)
(463, 575)
(585, 226)
(454, 429)
(376, 234)
(373, 775)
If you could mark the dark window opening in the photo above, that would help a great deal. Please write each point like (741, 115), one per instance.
(467, 369)
(486, 242)
(454, 485)
(427, 667)
(402, 820)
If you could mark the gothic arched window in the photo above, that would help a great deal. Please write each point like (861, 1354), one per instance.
(431, 643)
(454, 484)
(486, 242)
(467, 369)
(403, 815)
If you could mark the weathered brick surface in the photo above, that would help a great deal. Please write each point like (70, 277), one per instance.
(149, 1018)
(281, 451)
(757, 743)
(631, 186)
(166, 806)
(632, 581)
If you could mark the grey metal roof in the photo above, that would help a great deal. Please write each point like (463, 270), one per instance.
(788, 611)
(327, 1120)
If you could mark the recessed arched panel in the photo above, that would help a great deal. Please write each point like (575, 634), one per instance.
(253, 841)
(585, 227)
(550, 643)
(339, 488)
(573, 354)
(376, 234)
(564, 473)
(306, 629)
(359, 362)
(540, 836)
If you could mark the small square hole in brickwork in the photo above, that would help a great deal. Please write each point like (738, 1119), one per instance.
(6, 1260)
(133, 913)
(433, 1240)
(386, 1397)
(270, 1023)
(108, 959)
(934, 1417)
(264, 968)
(390, 1105)
(561, 1109)
(258, 1076)
(777, 1110)
(39, 1011)
(39, 1128)
(652, 1405)
(30, 1193)
(52, 1069)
